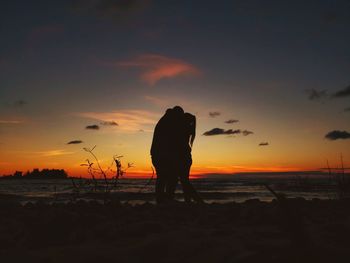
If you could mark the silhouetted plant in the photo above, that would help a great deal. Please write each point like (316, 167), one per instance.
(91, 172)
(120, 171)
(110, 176)
(340, 179)
(279, 196)
(99, 166)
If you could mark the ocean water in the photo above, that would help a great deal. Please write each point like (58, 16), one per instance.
(139, 190)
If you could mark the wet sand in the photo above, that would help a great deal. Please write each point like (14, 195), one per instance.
(294, 230)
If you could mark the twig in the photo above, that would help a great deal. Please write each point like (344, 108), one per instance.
(279, 197)
(99, 166)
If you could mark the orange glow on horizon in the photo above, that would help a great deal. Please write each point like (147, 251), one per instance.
(195, 173)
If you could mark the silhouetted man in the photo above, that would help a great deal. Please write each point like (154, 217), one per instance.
(164, 151)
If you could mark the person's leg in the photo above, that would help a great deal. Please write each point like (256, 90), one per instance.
(189, 191)
(186, 189)
(184, 178)
(160, 181)
(194, 194)
(172, 180)
(160, 186)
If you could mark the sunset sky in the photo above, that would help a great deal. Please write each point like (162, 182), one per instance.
(269, 82)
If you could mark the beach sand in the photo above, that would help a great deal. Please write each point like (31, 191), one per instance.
(294, 230)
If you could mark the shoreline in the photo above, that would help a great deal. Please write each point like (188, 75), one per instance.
(149, 196)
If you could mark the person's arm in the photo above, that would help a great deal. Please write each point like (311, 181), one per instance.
(193, 129)
(155, 140)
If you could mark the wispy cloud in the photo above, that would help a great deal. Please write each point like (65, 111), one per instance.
(214, 114)
(92, 127)
(263, 144)
(157, 67)
(75, 142)
(128, 120)
(342, 93)
(231, 121)
(246, 132)
(109, 123)
(219, 131)
(317, 95)
(336, 135)
(20, 103)
(314, 94)
(50, 153)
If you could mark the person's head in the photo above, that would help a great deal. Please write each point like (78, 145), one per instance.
(168, 111)
(178, 110)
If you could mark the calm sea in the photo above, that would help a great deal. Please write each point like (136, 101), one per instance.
(139, 190)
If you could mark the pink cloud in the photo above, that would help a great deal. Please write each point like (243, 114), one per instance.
(156, 67)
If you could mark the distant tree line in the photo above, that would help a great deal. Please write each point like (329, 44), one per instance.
(37, 174)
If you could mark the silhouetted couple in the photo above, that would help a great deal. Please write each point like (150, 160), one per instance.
(171, 154)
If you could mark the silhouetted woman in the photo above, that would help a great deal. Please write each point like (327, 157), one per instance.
(190, 134)
(186, 134)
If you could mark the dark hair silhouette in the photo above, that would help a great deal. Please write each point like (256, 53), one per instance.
(178, 110)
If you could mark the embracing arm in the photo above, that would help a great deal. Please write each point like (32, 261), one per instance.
(193, 129)
(155, 141)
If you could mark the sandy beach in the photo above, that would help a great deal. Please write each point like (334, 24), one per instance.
(294, 230)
